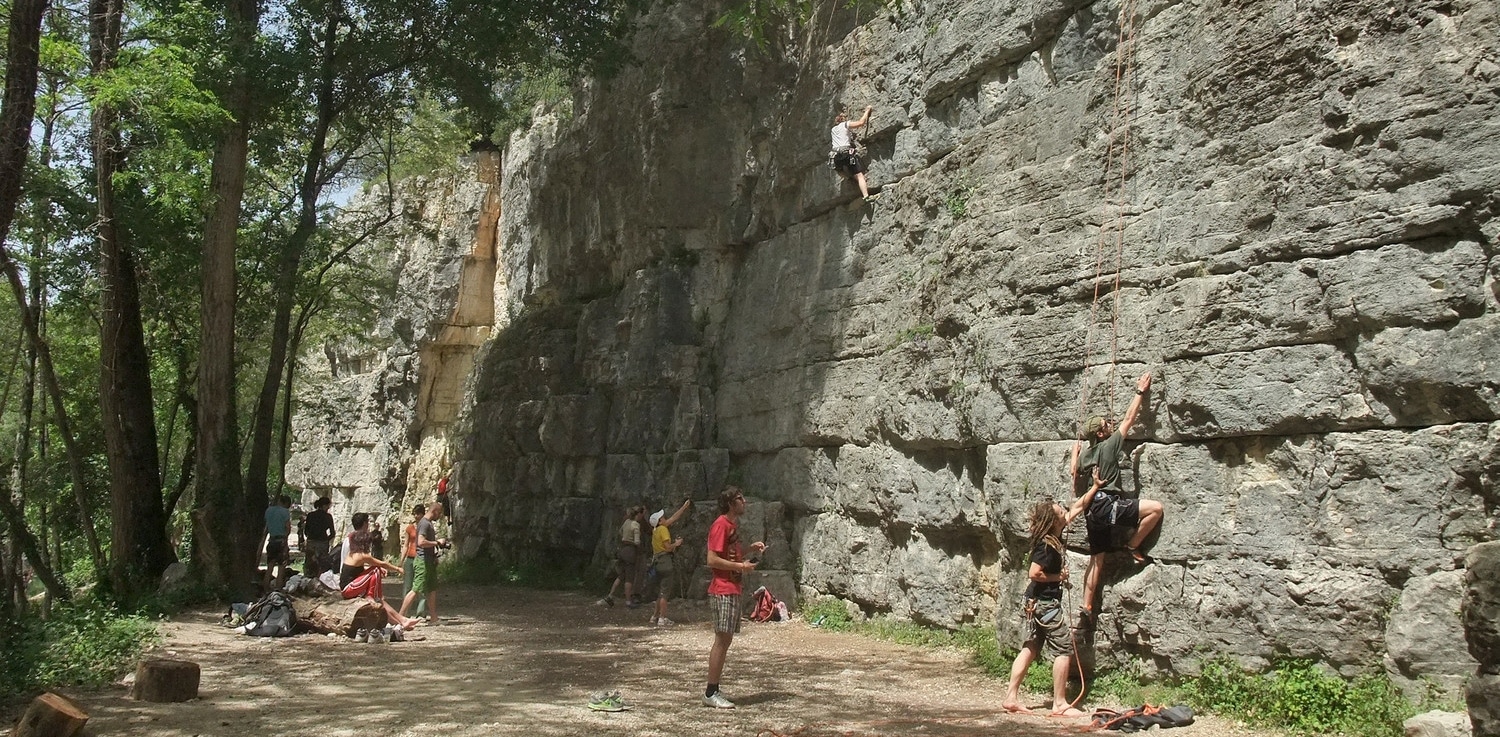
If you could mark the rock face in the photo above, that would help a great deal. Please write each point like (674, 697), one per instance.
(1481, 617)
(1302, 248)
(372, 422)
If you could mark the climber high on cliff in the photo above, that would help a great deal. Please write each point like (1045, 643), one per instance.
(847, 152)
(1111, 516)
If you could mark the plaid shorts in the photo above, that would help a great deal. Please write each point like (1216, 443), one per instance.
(1045, 626)
(726, 613)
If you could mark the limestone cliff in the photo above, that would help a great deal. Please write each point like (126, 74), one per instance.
(1305, 242)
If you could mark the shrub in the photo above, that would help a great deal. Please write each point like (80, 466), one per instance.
(1300, 697)
(82, 644)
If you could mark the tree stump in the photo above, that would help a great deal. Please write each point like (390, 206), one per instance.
(51, 715)
(339, 616)
(166, 681)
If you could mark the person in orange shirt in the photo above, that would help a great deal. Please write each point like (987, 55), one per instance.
(409, 557)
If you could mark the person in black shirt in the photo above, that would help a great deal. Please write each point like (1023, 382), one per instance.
(319, 524)
(1044, 626)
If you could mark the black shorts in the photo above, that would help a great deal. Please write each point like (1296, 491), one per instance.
(276, 551)
(847, 163)
(1108, 538)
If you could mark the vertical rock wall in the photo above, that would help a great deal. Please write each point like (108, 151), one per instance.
(1307, 261)
(372, 422)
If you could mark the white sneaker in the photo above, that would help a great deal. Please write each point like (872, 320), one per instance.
(664, 622)
(718, 701)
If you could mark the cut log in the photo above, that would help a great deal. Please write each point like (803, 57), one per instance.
(339, 616)
(166, 681)
(51, 715)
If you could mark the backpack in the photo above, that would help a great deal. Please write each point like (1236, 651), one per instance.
(1142, 718)
(272, 616)
(762, 606)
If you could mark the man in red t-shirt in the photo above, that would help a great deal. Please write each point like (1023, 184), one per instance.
(726, 561)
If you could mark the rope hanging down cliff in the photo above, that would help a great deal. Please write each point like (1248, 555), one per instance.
(1111, 229)
(1116, 175)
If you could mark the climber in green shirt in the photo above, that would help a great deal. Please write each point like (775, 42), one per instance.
(1111, 516)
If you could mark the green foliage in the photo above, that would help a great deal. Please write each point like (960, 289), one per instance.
(1300, 697)
(756, 20)
(85, 644)
(484, 572)
(829, 614)
(956, 201)
(914, 333)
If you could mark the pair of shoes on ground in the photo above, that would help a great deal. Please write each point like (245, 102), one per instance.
(375, 635)
(718, 701)
(606, 701)
(661, 622)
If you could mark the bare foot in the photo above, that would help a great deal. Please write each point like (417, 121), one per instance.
(410, 624)
(1014, 708)
(1067, 712)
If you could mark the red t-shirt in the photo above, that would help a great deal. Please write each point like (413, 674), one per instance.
(724, 539)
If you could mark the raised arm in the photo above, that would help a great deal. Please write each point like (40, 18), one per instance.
(863, 121)
(677, 515)
(1132, 413)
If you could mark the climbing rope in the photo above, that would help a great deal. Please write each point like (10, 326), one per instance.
(1119, 133)
(1114, 181)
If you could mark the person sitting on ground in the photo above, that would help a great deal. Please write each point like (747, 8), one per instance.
(663, 557)
(627, 557)
(1044, 627)
(409, 558)
(846, 159)
(360, 575)
(1111, 516)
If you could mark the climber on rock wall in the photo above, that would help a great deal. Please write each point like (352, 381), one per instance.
(1111, 516)
(845, 152)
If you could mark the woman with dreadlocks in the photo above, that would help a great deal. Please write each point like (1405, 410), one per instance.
(1044, 626)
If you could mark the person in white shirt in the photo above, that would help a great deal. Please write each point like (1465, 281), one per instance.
(845, 158)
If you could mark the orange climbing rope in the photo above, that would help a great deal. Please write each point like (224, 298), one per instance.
(1119, 131)
(1115, 177)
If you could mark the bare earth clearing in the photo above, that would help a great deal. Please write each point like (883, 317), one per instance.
(511, 661)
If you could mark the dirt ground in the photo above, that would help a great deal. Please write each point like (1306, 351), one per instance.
(510, 661)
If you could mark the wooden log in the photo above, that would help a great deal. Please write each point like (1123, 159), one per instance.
(51, 715)
(339, 616)
(166, 681)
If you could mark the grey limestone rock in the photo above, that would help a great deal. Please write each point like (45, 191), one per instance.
(1303, 254)
(1437, 724)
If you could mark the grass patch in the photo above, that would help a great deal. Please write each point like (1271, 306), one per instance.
(1301, 698)
(484, 572)
(85, 644)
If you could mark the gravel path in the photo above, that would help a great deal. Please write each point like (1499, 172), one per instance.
(509, 661)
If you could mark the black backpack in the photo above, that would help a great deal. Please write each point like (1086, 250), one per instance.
(272, 616)
(1142, 718)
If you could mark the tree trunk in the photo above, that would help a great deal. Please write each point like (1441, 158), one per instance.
(141, 550)
(51, 715)
(22, 534)
(288, 267)
(16, 112)
(165, 681)
(339, 616)
(226, 531)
